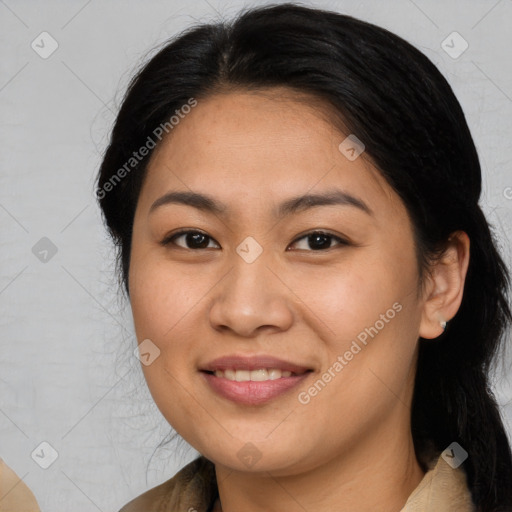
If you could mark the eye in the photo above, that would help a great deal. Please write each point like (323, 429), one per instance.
(319, 240)
(193, 239)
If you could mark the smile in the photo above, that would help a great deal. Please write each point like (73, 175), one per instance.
(258, 375)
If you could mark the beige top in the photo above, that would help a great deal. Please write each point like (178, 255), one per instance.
(194, 487)
(15, 496)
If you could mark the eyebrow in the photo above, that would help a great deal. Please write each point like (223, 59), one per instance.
(207, 203)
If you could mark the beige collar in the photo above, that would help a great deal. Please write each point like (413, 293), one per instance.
(194, 487)
(442, 489)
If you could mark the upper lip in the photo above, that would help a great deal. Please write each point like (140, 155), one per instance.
(237, 362)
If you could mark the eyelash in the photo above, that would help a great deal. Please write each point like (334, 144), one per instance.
(170, 239)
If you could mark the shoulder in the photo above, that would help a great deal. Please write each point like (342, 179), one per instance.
(14, 493)
(194, 486)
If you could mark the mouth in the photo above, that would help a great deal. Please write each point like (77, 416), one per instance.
(260, 364)
(258, 375)
(253, 380)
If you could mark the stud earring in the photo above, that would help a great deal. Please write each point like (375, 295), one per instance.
(443, 325)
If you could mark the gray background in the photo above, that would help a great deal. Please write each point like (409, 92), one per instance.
(67, 374)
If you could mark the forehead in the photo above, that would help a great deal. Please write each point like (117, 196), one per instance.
(262, 146)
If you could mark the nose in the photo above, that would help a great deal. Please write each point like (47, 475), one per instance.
(250, 299)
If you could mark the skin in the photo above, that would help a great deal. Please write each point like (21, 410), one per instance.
(349, 448)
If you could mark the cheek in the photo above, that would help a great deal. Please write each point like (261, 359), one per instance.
(166, 301)
(347, 298)
(161, 296)
(163, 302)
(365, 311)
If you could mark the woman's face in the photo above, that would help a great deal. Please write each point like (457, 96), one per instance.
(342, 305)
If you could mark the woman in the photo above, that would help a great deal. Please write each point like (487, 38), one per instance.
(316, 293)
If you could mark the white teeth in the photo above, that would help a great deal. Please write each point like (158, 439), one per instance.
(259, 375)
(254, 375)
(229, 374)
(242, 375)
(273, 374)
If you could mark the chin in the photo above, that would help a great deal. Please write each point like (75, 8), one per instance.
(257, 457)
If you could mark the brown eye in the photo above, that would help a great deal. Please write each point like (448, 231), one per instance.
(192, 239)
(319, 240)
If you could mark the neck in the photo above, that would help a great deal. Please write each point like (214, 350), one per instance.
(379, 476)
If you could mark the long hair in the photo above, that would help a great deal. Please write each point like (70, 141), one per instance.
(397, 102)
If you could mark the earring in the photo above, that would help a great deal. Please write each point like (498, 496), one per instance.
(443, 325)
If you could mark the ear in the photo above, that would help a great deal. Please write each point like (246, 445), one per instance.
(445, 286)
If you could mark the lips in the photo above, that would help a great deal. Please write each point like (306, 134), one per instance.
(229, 377)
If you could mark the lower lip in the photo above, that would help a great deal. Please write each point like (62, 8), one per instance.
(253, 392)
